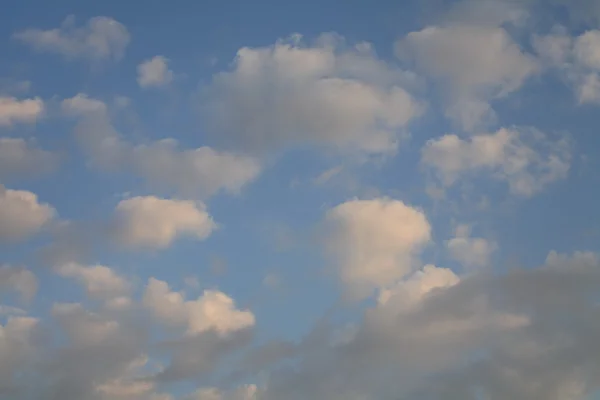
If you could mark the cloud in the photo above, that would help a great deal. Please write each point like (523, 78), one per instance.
(16, 349)
(246, 392)
(374, 242)
(21, 158)
(13, 110)
(213, 311)
(154, 72)
(527, 160)
(577, 59)
(202, 171)
(474, 64)
(99, 281)
(98, 348)
(470, 251)
(18, 279)
(323, 95)
(21, 215)
(101, 38)
(439, 336)
(155, 223)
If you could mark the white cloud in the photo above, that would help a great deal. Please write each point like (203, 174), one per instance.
(19, 158)
(323, 95)
(154, 72)
(576, 58)
(13, 110)
(154, 222)
(20, 280)
(374, 242)
(16, 348)
(21, 215)
(99, 281)
(474, 64)
(202, 171)
(407, 294)
(213, 311)
(245, 392)
(526, 160)
(101, 38)
(83, 327)
(470, 251)
(434, 335)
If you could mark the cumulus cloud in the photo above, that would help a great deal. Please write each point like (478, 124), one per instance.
(527, 160)
(576, 58)
(99, 281)
(374, 242)
(13, 110)
(18, 279)
(22, 158)
(17, 347)
(325, 94)
(155, 223)
(21, 214)
(101, 38)
(213, 311)
(474, 64)
(435, 335)
(154, 72)
(470, 251)
(246, 392)
(202, 171)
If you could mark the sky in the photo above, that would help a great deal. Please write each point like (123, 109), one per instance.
(269, 200)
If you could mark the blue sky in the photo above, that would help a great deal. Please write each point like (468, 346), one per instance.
(299, 200)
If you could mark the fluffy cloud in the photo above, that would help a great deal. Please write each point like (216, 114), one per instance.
(527, 160)
(13, 110)
(202, 171)
(471, 252)
(374, 242)
(437, 336)
(154, 222)
(213, 311)
(21, 215)
(99, 350)
(20, 158)
(246, 392)
(18, 279)
(576, 58)
(16, 349)
(323, 95)
(101, 38)
(475, 64)
(100, 281)
(154, 72)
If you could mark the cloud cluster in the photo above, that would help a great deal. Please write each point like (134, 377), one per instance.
(526, 159)
(101, 38)
(577, 58)
(412, 326)
(202, 171)
(13, 110)
(473, 64)
(325, 95)
(438, 336)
